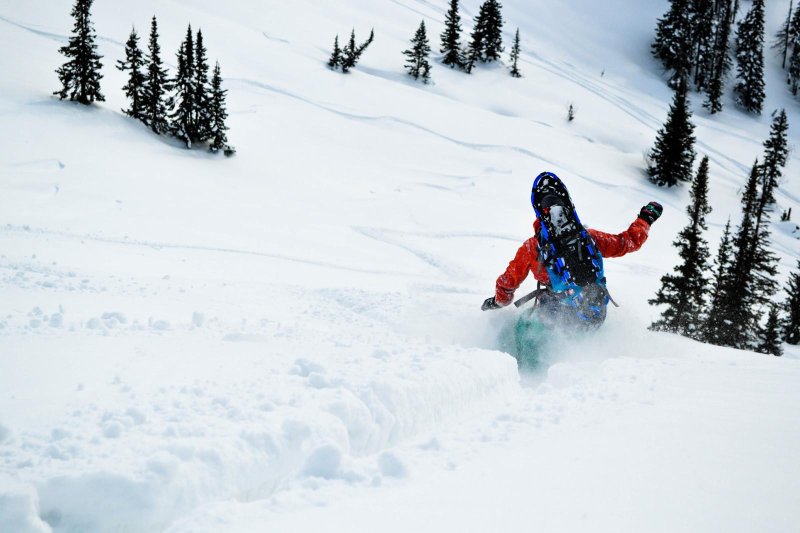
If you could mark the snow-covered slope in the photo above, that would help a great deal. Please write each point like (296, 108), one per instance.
(193, 343)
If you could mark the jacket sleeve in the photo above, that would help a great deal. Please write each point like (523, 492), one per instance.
(515, 273)
(623, 243)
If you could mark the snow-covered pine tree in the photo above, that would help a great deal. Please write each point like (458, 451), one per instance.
(218, 115)
(135, 88)
(451, 37)
(776, 151)
(720, 61)
(684, 291)
(769, 336)
(494, 31)
(182, 118)
(417, 56)
(515, 57)
(749, 88)
(80, 75)
(791, 324)
(157, 85)
(352, 53)
(673, 42)
(715, 322)
(202, 98)
(672, 157)
(783, 37)
(336, 56)
(476, 50)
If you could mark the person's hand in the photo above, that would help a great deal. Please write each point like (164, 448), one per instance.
(651, 212)
(490, 303)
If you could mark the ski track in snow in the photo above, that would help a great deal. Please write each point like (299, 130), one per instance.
(174, 246)
(53, 36)
(397, 120)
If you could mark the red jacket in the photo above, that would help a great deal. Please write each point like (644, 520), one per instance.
(527, 258)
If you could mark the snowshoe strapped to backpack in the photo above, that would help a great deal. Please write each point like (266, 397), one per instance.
(569, 254)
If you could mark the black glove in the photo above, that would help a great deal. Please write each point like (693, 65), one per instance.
(651, 212)
(490, 304)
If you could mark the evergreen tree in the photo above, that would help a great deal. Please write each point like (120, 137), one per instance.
(352, 53)
(494, 31)
(515, 57)
(784, 36)
(80, 75)
(703, 20)
(715, 323)
(417, 63)
(684, 291)
(754, 266)
(673, 42)
(750, 59)
(182, 118)
(218, 114)
(719, 63)
(672, 156)
(135, 88)
(769, 335)
(793, 49)
(776, 151)
(201, 95)
(336, 57)
(477, 46)
(791, 325)
(156, 85)
(451, 37)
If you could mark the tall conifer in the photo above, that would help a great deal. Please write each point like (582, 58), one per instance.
(749, 88)
(719, 63)
(494, 31)
(672, 156)
(182, 118)
(703, 20)
(476, 50)
(715, 323)
(80, 75)
(776, 151)
(135, 88)
(218, 114)
(784, 36)
(157, 85)
(451, 37)
(684, 291)
(201, 97)
(673, 42)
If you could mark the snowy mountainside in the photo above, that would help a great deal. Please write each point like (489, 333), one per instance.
(285, 338)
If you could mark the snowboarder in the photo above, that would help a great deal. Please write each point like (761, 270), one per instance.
(565, 254)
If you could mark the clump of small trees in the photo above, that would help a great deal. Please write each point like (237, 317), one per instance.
(189, 106)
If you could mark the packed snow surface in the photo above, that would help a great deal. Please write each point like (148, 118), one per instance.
(290, 339)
